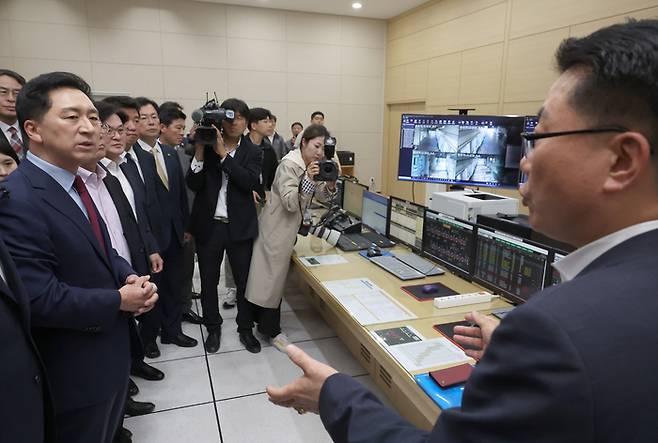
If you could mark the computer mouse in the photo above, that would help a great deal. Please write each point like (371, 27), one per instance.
(374, 251)
(430, 289)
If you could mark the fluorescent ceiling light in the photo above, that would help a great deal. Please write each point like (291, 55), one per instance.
(357, 5)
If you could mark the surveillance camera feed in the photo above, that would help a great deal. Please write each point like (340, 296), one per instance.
(469, 150)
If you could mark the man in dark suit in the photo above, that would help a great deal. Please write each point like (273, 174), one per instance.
(224, 176)
(577, 363)
(25, 410)
(63, 254)
(10, 133)
(165, 185)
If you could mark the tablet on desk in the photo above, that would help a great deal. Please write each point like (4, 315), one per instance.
(447, 330)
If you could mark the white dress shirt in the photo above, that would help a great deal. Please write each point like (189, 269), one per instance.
(105, 205)
(117, 172)
(221, 210)
(5, 130)
(571, 265)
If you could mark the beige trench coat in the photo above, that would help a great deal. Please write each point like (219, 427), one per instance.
(278, 224)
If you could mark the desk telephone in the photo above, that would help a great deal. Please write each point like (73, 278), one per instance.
(337, 219)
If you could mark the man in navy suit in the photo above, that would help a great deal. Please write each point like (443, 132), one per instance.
(577, 363)
(25, 410)
(63, 254)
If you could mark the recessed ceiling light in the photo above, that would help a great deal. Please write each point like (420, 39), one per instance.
(357, 5)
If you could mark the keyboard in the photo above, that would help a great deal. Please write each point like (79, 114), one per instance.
(353, 242)
(420, 264)
(396, 267)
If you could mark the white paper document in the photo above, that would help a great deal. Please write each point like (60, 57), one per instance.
(427, 354)
(322, 260)
(366, 302)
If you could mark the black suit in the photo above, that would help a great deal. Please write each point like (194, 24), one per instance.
(236, 236)
(5, 143)
(25, 409)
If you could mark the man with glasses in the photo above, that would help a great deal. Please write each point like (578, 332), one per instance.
(11, 135)
(576, 363)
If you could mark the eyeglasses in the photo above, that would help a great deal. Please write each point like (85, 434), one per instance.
(109, 130)
(531, 137)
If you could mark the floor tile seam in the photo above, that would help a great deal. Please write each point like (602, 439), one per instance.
(175, 408)
(270, 346)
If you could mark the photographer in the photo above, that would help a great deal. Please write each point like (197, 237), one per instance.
(294, 186)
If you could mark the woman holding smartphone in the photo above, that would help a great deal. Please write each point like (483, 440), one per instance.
(279, 221)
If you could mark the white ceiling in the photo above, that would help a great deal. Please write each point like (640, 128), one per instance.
(381, 9)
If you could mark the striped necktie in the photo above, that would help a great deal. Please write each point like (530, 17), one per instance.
(16, 143)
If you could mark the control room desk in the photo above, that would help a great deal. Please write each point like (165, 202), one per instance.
(398, 384)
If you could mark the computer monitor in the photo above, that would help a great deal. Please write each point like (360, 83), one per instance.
(405, 223)
(450, 241)
(529, 124)
(554, 276)
(375, 211)
(353, 197)
(511, 266)
(466, 150)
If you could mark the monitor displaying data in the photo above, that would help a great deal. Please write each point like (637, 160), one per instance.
(468, 150)
(529, 124)
(353, 197)
(448, 240)
(374, 211)
(406, 223)
(554, 275)
(509, 265)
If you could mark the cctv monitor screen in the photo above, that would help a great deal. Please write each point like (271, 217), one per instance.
(449, 240)
(375, 211)
(529, 124)
(353, 197)
(509, 265)
(405, 223)
(466, 150)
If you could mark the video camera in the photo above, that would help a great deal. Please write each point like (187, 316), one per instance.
(328, 168)
(208, 117)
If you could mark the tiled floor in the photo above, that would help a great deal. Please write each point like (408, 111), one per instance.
(221, 397)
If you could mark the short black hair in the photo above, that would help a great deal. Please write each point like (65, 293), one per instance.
(13, 74)
(620, 86)
(122, 101)
(317, 113)
(236, 105)
(313, 131)
(6, 149)
(145, 101)
(171, 104)
(33, 101)
(273, 117)
(170, 113)
(256, 115)
(296, 123)
(106, 110)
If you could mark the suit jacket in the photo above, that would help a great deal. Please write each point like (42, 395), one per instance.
(244, 171)
(279, 146)
(25, 409)
(168, 209)
(72, 284)
(185, 161)
(4, 142)
(577, 363)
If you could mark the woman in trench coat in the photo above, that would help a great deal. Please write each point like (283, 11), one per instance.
(278, 223)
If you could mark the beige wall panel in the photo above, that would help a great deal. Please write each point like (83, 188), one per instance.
(522, 108)
(394, 84)
(364, 90)
(361, 118)
(584, 29)
(126, 46)
(5, 37)
(411, 23)
(193, 17)
(302, 27)
(260, 23)
(480, 74)
(443, 79)
(301, 112)
(412, 48)
(313, 58)
(133, 79)
(415, 81)
(65, 12)
(7, 63)
(362, 32)
(31, 67)
(141, 15)
(255, 85)
(530, 66)
(362, 61)
(313, 88)
(368, 154)
(480, 109)
(57, 42)
(532, 16)
(260, 55)
(199, 51)
(193, 83)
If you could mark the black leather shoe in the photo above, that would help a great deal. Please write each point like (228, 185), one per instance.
(138, 407)
(147, 372)
(123, 435)
(228, 305)
(192, 317)
(181, 340)
(132, 388)
(213, 341)
(151, 350)
(250, 342)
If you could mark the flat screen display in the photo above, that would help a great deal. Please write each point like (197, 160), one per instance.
(406, 223)
(375, 211)
(353, 197)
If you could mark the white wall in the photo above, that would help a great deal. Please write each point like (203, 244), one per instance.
(292, 63)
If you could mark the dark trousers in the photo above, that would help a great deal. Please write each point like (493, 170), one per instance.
(210, 253)
(188, 274)
(92, 423)
(166, 316)
(269, 320)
